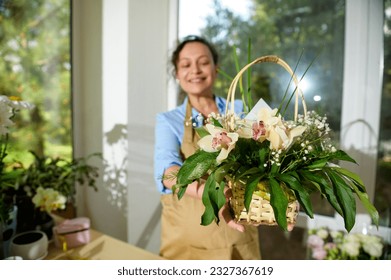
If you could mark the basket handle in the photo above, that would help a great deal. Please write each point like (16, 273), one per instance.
(268, 58)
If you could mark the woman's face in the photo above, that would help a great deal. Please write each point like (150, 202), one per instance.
(196, 70)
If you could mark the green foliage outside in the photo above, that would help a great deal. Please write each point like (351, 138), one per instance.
(35, 66)
(286, 29)
(301, 32)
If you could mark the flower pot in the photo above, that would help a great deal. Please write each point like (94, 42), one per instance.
(7, 231)
(30, 245)
(32, 218)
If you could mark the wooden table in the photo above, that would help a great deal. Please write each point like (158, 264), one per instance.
(101, 247)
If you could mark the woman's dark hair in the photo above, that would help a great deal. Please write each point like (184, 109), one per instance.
(189, 39)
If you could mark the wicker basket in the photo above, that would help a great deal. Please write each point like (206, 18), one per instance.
(261, 211)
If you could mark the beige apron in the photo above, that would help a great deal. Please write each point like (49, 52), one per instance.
(182, 235)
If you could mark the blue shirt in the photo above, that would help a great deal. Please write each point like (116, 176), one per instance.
(169, 132)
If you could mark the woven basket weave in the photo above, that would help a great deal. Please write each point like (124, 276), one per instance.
(260, 212)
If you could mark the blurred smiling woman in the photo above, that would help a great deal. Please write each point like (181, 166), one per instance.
(195, 69)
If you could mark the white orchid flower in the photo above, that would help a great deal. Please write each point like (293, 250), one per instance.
(274, 129)
(5, 117)
(16, 102)
(245, 128)
(218, 140)
(8, 105)
(293, 133)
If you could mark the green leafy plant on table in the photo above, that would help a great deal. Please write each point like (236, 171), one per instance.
(49, 183)
(267, 158)
(55, 176)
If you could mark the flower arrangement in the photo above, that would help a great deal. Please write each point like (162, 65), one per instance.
(281, 161)
(325, 244)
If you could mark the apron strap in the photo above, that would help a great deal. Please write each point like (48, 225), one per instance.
(190, 137)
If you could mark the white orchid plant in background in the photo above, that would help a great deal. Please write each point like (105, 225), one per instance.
(45, 199)
(9, 107)
(49, 183)
(326, 244)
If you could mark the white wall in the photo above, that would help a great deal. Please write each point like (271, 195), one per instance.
(148, 77)
(120, 80)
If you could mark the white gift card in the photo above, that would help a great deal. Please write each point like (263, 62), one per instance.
(252, 115)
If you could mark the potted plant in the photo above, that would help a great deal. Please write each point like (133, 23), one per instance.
(48, 185)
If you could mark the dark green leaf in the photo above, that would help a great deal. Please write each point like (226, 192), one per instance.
(213, 199)
(358, 187)
(250, 172)
(195, 166)
(251, 186)
(352, 176)
(181, 190)
(263, 153)
(318, 164)
(345, 199)
(341, 155)
(223, 170)
(301, 194)
(208, 217)
(326, 188)
(274, 169)
(363, 196)
(279, 202)
(216, 123)
(201, 131)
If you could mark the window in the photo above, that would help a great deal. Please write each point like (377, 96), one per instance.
(300, 32)
(383, 178)
(343, 83)
(35, 66)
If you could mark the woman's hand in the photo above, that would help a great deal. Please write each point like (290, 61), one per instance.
(226, 215)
